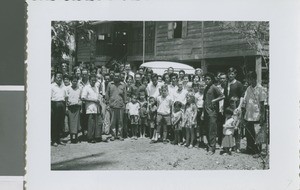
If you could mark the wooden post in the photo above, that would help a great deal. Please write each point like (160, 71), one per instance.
(144, 40)
(203, 66)
(258, 62)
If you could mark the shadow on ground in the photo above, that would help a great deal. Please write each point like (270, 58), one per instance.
(82, 163)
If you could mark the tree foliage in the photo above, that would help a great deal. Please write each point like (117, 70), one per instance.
(61, 34)
(256, 33)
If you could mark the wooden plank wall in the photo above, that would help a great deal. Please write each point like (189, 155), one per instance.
(83, 53)
(217, 42)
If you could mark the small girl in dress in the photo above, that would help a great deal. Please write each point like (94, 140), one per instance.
(228, 131)
(176, 122)
(133, 109)
(190, 120)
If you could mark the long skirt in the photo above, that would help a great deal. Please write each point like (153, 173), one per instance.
(74, 119)
(228, 141)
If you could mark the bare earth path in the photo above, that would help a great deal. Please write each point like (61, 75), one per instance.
(140, 155)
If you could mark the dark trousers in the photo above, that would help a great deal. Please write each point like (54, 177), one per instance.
(221, 121)
(211, 123)
(177, 136)
(190, 136)
(58, 110)
(200, 122)
(117, 122)
(83, 119)
(126, 125)
(250, 136)
(134, 129)
(94, 127)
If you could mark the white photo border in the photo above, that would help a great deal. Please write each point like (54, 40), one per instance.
(284, 109)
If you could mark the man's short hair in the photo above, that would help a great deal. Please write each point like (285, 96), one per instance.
(174, 75)
(232, 70)
(182, 71)
(154, 75)
(66, 76)
(211, 76)
(252, 75)
(57, 72)
(92, 76)
(72, 77)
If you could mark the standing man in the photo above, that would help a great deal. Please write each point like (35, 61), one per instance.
(233, 92)
(253, 101)
(91, 97)
(128, 71)
(153, 87)
(170, 70)
(116, 97)
(58, 109)
(212, 95)
(84, 120)
(137, 87)
(172, 88)
(222, 79)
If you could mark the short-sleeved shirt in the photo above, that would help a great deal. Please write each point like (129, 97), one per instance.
(58, 93)
(164, 105)
(180, 96)
(221, 103)
(228, 127)
(136, 89)
(74, 95)
(133, 109)
(116, 94)
(172, 89)
(210, 93)
(252, 99)
(91, 93)
(153, 90)
(81, 84)
(233, 89)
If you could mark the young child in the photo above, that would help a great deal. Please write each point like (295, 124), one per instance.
(133, 109)
(176, 122)
(190, 120)
(164, 110)
(199, 102)
(143, 114)
(228, 130)
(152, 113)
(74, 106)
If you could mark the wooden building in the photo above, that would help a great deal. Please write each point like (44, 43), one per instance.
(209, 45)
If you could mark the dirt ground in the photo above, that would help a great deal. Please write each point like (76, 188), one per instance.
(141, 155)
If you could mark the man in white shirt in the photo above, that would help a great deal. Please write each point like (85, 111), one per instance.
(83, 118)
(58, 109)
(153, 87)
(180, 94)
(172, 88)
(91, 97)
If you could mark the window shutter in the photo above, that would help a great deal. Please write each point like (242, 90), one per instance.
(170, 30)
(184, 29)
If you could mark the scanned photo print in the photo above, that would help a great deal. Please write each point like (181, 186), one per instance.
(159, 95)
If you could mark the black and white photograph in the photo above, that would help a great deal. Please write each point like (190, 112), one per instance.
(160, 95)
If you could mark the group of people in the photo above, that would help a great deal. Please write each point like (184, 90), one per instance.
(203, 110)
